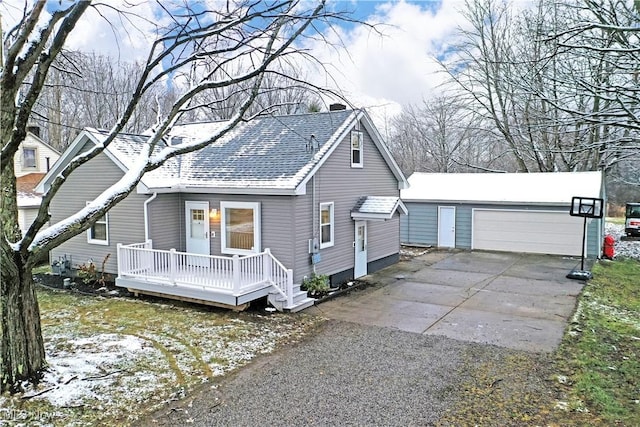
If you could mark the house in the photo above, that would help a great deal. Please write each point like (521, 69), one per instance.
(32, 160)
(515, 212)
(251, 215)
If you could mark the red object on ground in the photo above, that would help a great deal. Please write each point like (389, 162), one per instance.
(608, 247)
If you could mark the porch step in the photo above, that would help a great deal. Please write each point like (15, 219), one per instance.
(300, 300)
(305, 303)
(298, 296)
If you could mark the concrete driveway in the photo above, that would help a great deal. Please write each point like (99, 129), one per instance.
(519, 301)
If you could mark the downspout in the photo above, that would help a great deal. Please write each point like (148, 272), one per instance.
(315, 218)
(146, 215)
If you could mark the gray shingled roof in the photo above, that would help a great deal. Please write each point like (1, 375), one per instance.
(266, 152)
(127, 147)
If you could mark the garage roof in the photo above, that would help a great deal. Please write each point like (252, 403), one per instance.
(551, 188)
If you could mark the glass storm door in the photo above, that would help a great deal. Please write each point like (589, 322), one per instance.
(360, 265)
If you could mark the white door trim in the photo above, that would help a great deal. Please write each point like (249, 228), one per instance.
(447, 231)
(197, 246)
(360, 251)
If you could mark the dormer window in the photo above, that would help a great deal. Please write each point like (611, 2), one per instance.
(356, 149)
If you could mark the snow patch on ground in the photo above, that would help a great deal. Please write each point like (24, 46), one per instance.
(623, 248)
(629, 317)
(82, 368)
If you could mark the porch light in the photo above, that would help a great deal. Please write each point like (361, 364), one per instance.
(213, 213)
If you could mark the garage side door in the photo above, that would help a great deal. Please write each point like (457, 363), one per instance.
(527, 231)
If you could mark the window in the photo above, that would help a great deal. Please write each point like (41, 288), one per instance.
(326, 225)
(240, 222)
(197, 228)
(99, 233)
(29, 158)
(356, 149)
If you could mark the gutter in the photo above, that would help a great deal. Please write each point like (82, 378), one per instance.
(486, 202)
(146, 215)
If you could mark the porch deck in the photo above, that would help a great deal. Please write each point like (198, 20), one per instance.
(227, 281)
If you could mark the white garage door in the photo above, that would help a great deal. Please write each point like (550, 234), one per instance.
(527, 231)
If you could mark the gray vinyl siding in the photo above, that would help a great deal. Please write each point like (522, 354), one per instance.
(164, 214)
(126, 222)
(338, 182)
(464, 225)
(277, 217)
(421, 225)
(595, 238)
(303, 227)
(379, 232)
(275, 223)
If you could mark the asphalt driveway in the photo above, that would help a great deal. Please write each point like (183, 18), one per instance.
(519, 301)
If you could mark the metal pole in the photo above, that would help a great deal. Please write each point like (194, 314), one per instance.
(584, 238)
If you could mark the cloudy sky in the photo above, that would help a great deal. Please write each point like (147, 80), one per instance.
(384, 72)
(380, 72)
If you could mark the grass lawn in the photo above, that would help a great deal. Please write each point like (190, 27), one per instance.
(112, 360)
(600, 354)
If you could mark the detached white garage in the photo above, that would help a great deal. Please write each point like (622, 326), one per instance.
(526, 212)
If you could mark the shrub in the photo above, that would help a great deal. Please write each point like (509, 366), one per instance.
(89, 272)
(316, 285)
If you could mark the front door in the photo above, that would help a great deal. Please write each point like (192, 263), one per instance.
(197, 227)
(446, 226)
(360, 266)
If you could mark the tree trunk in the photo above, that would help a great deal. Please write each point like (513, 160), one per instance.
(22, 354)
(21, 346)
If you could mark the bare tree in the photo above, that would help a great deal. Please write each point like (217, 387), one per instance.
(484, 60)
(604, 35)
(558, 81)
(90, 88)
(516, 79)
(284, 91)
(441, 135)
(256, 34)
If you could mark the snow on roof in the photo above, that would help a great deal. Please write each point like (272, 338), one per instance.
(28, 200)
(25, 188)
(535, 188)
(377, 207)
(266, 152)
(127, 148)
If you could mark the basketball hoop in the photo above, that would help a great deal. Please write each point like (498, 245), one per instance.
(586, 207)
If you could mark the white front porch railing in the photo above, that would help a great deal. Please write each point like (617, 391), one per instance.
(231, 274)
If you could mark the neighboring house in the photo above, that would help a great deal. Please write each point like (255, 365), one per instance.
(515, 212)
(34, 155)
(32, 160)
(320, 191)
